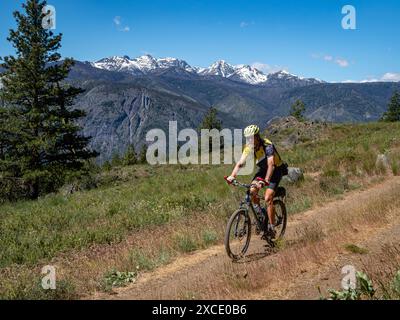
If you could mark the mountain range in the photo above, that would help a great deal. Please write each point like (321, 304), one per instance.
(146, 64)
(125, 98)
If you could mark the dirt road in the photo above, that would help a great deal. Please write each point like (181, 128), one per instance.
(312, 255)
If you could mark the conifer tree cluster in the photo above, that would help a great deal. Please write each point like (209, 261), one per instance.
(40, 140)
(393, 112)
(129, 158)
(297, 110)
(211, 121)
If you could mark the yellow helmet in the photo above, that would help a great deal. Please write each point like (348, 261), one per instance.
(251, 131)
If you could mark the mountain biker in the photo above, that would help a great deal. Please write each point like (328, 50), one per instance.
(269, 172)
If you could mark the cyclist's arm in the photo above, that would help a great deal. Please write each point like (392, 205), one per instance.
(270, 153)
(239, 165)
(271, 168)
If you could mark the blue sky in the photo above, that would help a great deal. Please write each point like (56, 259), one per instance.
(304, 37)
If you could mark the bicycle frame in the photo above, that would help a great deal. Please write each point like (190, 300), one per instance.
(247, 205)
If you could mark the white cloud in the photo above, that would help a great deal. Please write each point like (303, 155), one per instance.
(118, 24)
(245, 24)
(387, 77)
(342, 63)
(329, 58)
(347, 81)
(266, 68)
(369, 80)
(261, 66)
(117, 20)
(392, 77)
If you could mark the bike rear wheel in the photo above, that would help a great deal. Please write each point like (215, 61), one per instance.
(280, 219)
(238, 234)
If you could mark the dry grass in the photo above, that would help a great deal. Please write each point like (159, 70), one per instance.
(310, 248)
(382, 267)
(135, 223)
(143, 251)
(150, 248)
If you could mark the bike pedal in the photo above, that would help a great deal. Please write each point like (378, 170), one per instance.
(270, 244)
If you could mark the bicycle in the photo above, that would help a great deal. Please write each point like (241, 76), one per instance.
(239, 228)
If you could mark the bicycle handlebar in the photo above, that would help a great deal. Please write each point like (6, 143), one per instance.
(239, 184)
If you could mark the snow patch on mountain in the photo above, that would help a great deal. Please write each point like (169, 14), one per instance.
(166, 63)
(141, 65)
(220, 68)
(243, 73)
(285, 77)
(249, 75)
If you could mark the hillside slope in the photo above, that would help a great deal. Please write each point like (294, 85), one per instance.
(315, 244)
(140, 219)
(122, 107)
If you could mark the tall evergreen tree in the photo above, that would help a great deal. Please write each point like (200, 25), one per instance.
(41, 140)
(116, 160)
(211, 121)
(130, 157)
(298, 109)
(393, 112)
(143, 155)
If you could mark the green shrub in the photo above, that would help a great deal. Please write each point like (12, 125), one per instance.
(299, 204)
(364, 288)
(115, 279)
(142, 261)
(210, 237)
(331, 173)
(335, 184)
(31, 289)
(355, 249)
(395, 168)
(186, 243)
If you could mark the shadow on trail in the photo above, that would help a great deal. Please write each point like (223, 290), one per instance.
(268, 251)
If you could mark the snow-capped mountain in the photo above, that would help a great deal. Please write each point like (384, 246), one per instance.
(141, 65)
(249, 75)
(219, 68)
(121, 64)
(290, 80)
(242, 73)
(145, 63)
(166, 63)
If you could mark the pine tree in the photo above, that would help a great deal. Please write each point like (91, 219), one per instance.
(106, 166)
(142, 155)
(298, 109)
(130, 158)
(211, 121)
(116, 160)
(41, 141)
(393, 112)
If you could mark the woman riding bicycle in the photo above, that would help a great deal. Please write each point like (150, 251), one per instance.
(270, 170)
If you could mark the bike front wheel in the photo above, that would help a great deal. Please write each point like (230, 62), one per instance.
(238, 234)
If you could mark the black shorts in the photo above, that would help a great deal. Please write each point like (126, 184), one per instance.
(276, 176)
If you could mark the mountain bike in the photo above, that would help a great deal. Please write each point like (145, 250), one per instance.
(239, 228)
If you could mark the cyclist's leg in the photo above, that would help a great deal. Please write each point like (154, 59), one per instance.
(269, 200)
(270, 194)
(256, 186)
(255, 189)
